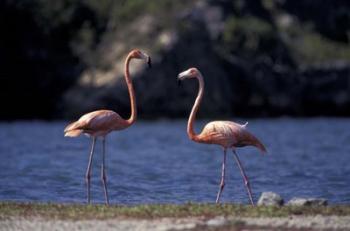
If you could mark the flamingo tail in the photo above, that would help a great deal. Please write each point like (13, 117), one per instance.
(73, 133)
(256, 143)
(260, 146)
(73, 129)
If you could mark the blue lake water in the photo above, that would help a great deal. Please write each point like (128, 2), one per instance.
(154, 162)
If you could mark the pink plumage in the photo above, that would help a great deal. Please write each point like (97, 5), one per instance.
(227, 134)
(100, 123)
(97, 123)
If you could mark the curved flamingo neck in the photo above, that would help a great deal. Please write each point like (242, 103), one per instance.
(133, 115)
(190, 130)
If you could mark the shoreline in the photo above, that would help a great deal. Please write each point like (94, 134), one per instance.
(151, 211)
(44, 216)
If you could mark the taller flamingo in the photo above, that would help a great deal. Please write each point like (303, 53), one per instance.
(227, 134)
(100, 123)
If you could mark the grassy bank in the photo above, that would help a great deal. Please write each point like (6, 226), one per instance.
(78, 211)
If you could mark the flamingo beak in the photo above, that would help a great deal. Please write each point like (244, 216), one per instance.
(149, 62)
(179, 82)
(183, 75)
(180, 77)
(147, 58)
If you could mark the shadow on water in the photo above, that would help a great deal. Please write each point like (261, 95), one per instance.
(154, 162)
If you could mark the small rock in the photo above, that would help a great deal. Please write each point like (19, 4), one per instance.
(217, 221)
(298, 201)
(270, 199)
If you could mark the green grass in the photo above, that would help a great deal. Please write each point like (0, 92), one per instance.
(78, 211)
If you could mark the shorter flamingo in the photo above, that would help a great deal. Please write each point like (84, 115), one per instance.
(227, 134)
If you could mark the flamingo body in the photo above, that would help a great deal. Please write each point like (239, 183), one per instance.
(96, 124)
(228, 134)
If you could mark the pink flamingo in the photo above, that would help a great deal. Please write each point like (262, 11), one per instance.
(227, 134)
(100, 123)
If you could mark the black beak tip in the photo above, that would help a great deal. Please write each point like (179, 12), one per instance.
(149, 62)
(179, 82)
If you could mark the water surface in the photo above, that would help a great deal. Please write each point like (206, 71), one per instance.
(154, 162)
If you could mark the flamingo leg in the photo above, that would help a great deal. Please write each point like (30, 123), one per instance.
(88, 171)
(222, 183)
(245, 178)
(103, 171)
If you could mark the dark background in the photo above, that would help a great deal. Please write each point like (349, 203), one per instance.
(59, 59)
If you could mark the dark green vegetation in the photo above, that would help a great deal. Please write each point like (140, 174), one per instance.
(69, 211)
(259, 57)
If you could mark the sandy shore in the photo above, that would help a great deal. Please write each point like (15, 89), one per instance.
(218, 223)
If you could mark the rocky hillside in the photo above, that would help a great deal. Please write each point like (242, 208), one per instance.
(258, 58)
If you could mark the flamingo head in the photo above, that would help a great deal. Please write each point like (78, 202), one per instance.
(137, 54)
(188, 74)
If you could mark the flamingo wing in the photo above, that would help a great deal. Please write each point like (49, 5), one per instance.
(229, 134)
(96, 123)
(220, 132)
